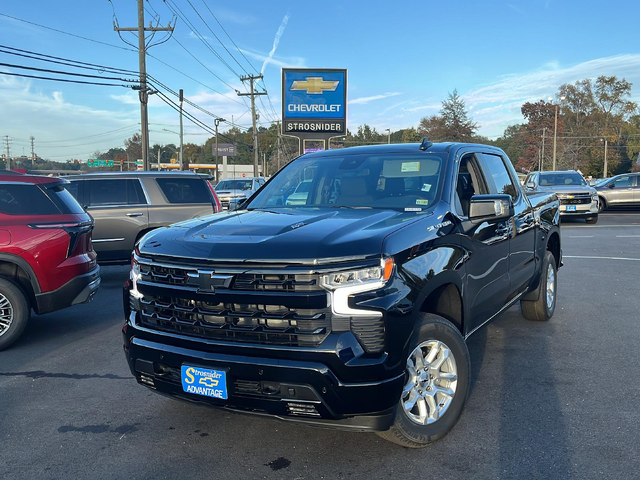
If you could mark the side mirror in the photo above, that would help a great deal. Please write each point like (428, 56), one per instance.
(531, 185)
(486, 208)
(239, 205)
(612, 185)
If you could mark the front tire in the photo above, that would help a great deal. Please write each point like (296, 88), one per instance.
(437, 384)
(14, 312)
(542, 309)
(602, 204)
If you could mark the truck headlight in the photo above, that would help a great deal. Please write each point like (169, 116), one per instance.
(594, 197)
(135, 276)
(343, 284)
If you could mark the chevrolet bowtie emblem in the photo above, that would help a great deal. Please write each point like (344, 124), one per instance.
(315, 85)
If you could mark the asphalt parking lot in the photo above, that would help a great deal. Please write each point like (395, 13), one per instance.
(552, 400)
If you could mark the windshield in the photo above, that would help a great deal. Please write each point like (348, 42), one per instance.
(400, 181)
(234, 185)
(561, 179)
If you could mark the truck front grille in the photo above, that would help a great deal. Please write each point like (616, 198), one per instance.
(262, 324)
(576, 200)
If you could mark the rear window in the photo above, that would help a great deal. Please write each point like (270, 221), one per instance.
(184, 190)
(25, 200)
(64, 200)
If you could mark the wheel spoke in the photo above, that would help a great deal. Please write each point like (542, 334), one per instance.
(445, 391)
(419, 359)
(433, 353)
(422, 408)
(408, 387)
(413, 398)
(434, 413)
(444, 355)
(448, 376)
(411, 367)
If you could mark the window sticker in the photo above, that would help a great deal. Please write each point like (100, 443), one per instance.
(410, 167)
(412, 209)
(422, 202)
(426, 187)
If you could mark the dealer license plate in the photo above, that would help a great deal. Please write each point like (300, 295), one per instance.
(570, 208)
(204, 381)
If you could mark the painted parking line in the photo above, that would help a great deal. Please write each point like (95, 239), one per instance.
(637, 225)
(627, 236)
(601, 258)
(580, 236)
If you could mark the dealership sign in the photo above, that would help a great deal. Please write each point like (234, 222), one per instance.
(225, 150)
(314, 102)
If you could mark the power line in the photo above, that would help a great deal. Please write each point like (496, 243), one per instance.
(66, 33)
(234, 43)
(172, 6)
(63, 61)
(60, 72)
(216, 36)
(62, 80)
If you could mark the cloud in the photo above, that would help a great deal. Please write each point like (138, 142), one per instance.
(234, 17)
(497, 105)
(276, 42)
(365, 100)
(513, 7)
(126, 98)
(432, 106)
(193, 34)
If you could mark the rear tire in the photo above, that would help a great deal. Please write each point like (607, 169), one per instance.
(592, 220)
(14, 312)
(542, 309)
(436, 390)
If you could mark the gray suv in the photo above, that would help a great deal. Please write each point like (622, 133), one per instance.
(577, 198)
(126, 205)
(619, 191)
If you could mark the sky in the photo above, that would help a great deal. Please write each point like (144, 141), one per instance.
(403, 58)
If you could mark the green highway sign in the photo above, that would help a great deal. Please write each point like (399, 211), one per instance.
(98, 162)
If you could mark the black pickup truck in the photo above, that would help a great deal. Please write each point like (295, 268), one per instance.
(349, 309)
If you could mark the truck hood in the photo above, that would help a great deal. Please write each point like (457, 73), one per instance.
(289, 235)
(568, 189)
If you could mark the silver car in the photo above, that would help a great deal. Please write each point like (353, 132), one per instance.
(233, 191)
(619, 191)
(577, 198)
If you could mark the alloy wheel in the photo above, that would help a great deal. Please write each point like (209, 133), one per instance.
(551, 286)
(6, 314)
(431, 384)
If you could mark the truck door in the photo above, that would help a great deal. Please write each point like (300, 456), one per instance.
(487, 243)
(502, 180)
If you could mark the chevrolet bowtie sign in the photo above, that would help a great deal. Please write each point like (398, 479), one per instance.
(314, 102)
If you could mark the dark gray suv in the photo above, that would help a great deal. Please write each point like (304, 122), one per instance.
(126, 205)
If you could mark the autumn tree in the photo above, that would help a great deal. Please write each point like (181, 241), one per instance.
(133, 147)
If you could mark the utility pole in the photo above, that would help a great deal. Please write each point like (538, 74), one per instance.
(182, 164)
(159, 157)
(264, 164)
(544, 132)
(278, 156)
(143, 93)
(6, 141)
(216, 122)
(252, 93)
(605, 158)
(33, 155)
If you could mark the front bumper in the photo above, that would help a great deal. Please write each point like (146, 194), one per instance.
(80, 289)
(296, 390)
(579, 211)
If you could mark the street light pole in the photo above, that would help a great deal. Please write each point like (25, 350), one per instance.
(544, 132)
(388, 130)
(605, 157)
(217, 122)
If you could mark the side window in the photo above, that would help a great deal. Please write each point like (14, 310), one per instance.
(469, 183)
(184, 190)
(624, 182)
(498, 178)
(74, 189)
(112, 192)
(25, 200)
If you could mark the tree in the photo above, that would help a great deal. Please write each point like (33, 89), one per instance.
(540, 117)
(452, 124)
(133, 147)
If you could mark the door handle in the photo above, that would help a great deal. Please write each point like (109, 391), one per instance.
(136, 214)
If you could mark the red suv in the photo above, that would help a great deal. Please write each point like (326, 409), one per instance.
(46, 258)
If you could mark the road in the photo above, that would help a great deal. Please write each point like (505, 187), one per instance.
(548, 400)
